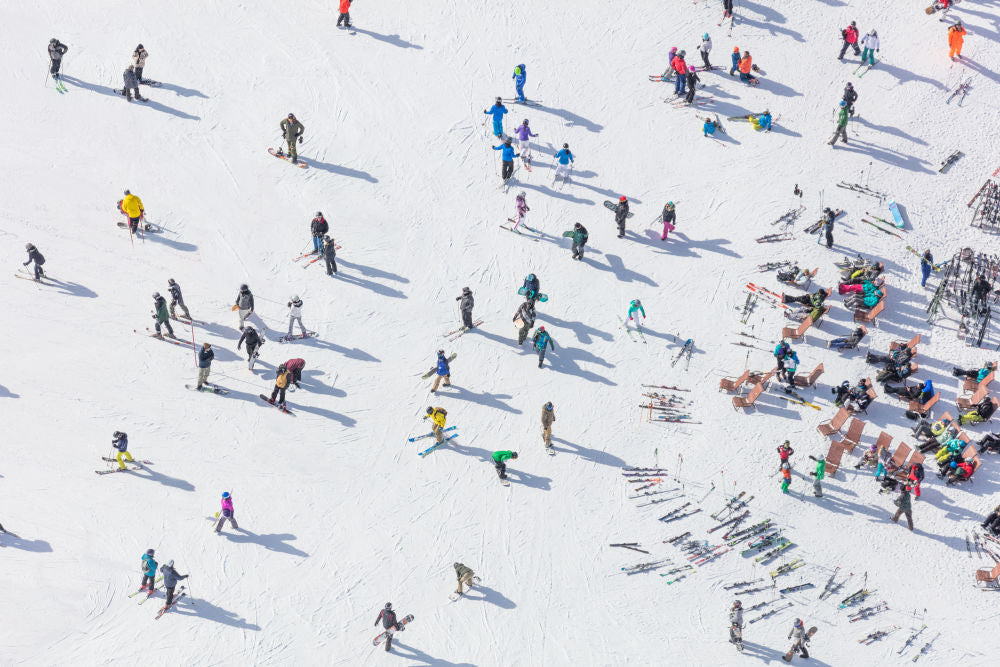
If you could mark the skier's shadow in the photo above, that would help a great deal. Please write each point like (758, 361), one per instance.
(766, 654)
(416, 655)
(204, 609)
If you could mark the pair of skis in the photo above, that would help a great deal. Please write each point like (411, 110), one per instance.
(638, 329)
(452, 335)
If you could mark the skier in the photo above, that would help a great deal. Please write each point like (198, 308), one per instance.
(829, 217)
(244, 304)
(706, 46)
(841, 130)
(498, 461)
(295, 315)
(786, 474)
(56, 52)
(541, 339)
(227, 512)
(926, 264)
(318, 228)
(524, 135)
(870, 44)
(669, 72)
(389, 622)
(293, 130)
(692, 81)
(131, 85)
(565, 161)
(120, 442)
(782, 351)
(438, 417)
(497, 111)
(746, 66)
(727, 5)
(170, 579)
(520, 208)
(736, 624)
(798, 633)
(580, 237)
(736, 61)
(708, 129)
(205, 356)
(149, 566)
(668, 218)
(132, 207)
(176, 299)
(507, 156)
(345, 14)
(466, 302)
(548, 417)
(850, 96)
(330, 255)
(820, 473)
(635, 306)
(162, 315)
(762, 122)
(680, 68)
(37, 258)
(620, 214)
(520, 76)
(956, 36)
(254, 343)
(464, 575)
(903, 507)
(525, 313)
(850, 35)
(139, 61)
(785, 451)
(531, 287)
(443, 371)
(295, 367)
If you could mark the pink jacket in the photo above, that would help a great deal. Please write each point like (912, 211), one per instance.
(227, 506)
(522, 207)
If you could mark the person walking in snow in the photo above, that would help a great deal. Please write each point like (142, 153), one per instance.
(161, 315)
(170, 579)
(565, 160)
(254, 343)
(829, 219)
(388, 618)
(548, 417)
(531, 287)
(541, 340)
(132, 207)
(330, 255)
(464, 575)
(244, 304)
(621, 212)
(520, 76)
(176, 299)
(139, 61)
(37, 258)
(442, 371)
(926, 264)
(736, 61)
(800, 638)
(149, 566)
(820, 473)
(841, 131)
(870, 47)
(465, 305)
(119, 440)
(580, 236)
(902, 503)
(850, 96)
(318, 228)
(497, 111)
(692, 82)
(956, 37)
(282, 378)
(525, 313)
(706, 47)
(520, 208)
(293, 130)
(786, 476)
(205, 356)
(345, 14)
(507, 156)
(850, 36)
(668, 218)
(295, 315)
(635, 306)
(679, 66)
(438, 417)
(499, 459)
(56, 52)
(736, 624)
(131, 85)
(524, 135)
(781, 352)
(226, 513)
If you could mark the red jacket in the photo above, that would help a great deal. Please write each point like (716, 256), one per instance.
(965, 468)
(345, 6)
(851, 35)
(679, 65)
(295, 365)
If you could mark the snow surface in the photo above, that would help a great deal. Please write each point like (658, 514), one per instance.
(338, 513)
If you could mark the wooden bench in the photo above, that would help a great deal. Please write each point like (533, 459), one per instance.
(861, 315)
(903, 474)
(898, 458)
(987, 575)
(852, 436)
(733, 385)
(835, 424)
(833, 458)
(751, 398)
(967, 403)
(924, 409)
(913, 342)
(811, 379)
(971, 384)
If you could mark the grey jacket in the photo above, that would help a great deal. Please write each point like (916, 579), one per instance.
(57, 50)
(244, 300)
(466, 302)
(461, 570)
(130, 80)
(171, 576)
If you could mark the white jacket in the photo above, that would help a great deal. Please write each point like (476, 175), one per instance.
(870, 41)
(295, 308)
(706, 45)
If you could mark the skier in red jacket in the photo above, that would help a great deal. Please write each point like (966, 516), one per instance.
(850, 35)
(295, 366)
(345, 16)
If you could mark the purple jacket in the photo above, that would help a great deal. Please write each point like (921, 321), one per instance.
(227, 506)
(523, 132)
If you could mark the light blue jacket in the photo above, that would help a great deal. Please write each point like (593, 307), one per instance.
(497, 111)
(564, 156)
(507, 153)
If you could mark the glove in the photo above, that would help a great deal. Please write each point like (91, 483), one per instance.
(300, 138)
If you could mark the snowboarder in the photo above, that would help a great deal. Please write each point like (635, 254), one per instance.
(520, 208)
(149, 566)
(132, 207)
(956, 37)
(850, 36)
(786, 474)
(548, 417)
(330, 255)
(507, 156)
(228, 512)
(37, 258)
(531, 287)
(668, 218)
(497, 111)
(692, 81)
(870, 44)
(293, 130)
(785, 451)
(119, 440)
(926, 264)
(170, 579)
(281, 379)
(318, 228)
(205, 356)
(520, 76)
(131, 85)
(438, 417)
(389, 623)
(442, 372)
(295, 315)
(841, 131)
(345, 14)
(139, 61)
(244, 304)
(708, 129)
(565, 162)
(176, 299)
(541, 340)
(902, 502)
(580, 237)
(850, 96)
(464, 575)
(680, 69)
(736, 624)
(620, 214)
(798, 633)
(295, 367)
(466, 302)
(736, 61)
(525, 313)
(820, 473)
(524, 135)
(56, 52)
(498, 461)
(254, 343)
(161, 315)
(635, 306)
(706, 46)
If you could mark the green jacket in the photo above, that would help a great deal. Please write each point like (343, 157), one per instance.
(462, 570)
(500, 457)
(162, 314)
(817, 298)
(820, 469)
(579, 236)
(842, 117)
(903, 501)
(293, 130)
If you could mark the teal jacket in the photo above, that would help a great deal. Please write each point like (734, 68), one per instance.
(149, 565)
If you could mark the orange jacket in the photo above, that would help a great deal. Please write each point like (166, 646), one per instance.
(786, 473)
(745, 64)
(956, 35)
(345, 6)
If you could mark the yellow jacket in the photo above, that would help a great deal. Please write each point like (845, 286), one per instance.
(282, 380)
(439, 416)
(132, 206)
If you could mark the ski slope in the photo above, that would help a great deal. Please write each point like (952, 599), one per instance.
(339, 513)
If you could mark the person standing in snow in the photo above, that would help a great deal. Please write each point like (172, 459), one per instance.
(295, 367)
(438, 417)
(149, 566)
(541, 340)
(706, 47)
(680, 68)
(139, 61)
(161, 315)
(524, 135)
(727, 5)
(841, 131)
(293, 130)
(850, 96)
(520, 208)
(282, 378)
(497, 111)
(254, 343)
(548, 417)
(170, 579)
(580, 237)
(620, 214)
(227, 513)
(956, 37)
(785, 451)
(295, 315)
(520, 76)
(56, 52)
(669, 72)
(786, 476)
(318, 228)
(37, 258)
(870, 44)
(131, 85)
(904, 507)
(499, 458)
(736, 623)
(464, 575)
(345, 14)
(389, 623)
(565, 160)
(176, 299)
(132, 207)
(692, 82)
(798, 634)
(926, 263)
(525, 313)
(829, 217)
(119, 440)
(330, 255)
(668, 217)
(244, 304)
(507, 156)
(635, 306)
(441, 372)
(466, 302)
(820, 473)
(205, 356)
(850, 35)
(736, 61)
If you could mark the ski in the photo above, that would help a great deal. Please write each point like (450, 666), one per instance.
(688, 344)
(674, 511)
(770, 266)
(729, 503)
(627, 330)
(774, 611)
(683, 568)
(644, 567)
(710, 557)
(787, 567)
(758, 605)
(880, 228)
(452, 335)
(283, 408)
(660, 386)
(725, 514)
(678, 538)
(431, 434)
(855, 598)
(788, 218)
(950, 160)
(144, 589)
(438, 444)
(778, 542)
(135, 461)
(750, 531)
(868, 612)
(735, 519)
(675, 517)
(877, 635)
(166, 608)
(773, 552)
(741, 584)
(108, 472)
(168, 339)
(773, 298)
(755, 590)
(829, 582)
(911, 639)
(792, 589)
(926, 648)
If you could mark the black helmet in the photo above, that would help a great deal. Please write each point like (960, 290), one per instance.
(440, 353)
(327, 238)
(466, 290)
(513, 455)
(566, 146)
(826, 210)
(455, 564)
(244, 288)
(170, 281)
(319, 214)
(127, 192)
(156, 295)
(499, 100)
(150, 552)
(138, 47)
(854, 23)
(249, 327)
(525, 122)
(388, 605)
(548, 406)
(577, 225)
(508, 141)
(429, 409)
(53, 41)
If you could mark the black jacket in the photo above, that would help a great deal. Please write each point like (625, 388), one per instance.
(669, 214)
(57, 50)
(175, 292)
(388, 618)
(527, 313)
(251, 337)
(621, 212)
(319, 226)
(850, 96)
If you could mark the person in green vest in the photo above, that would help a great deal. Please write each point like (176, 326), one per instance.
(820, 473)
(498, 461)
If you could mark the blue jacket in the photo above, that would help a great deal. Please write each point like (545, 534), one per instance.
(519, 79)
(121, 444)
(564, 156)
(928, 389)
(709, 127)
(149, 565)
(542, 339)
(205, 357)
(507, 154)
(170, 576)
(983, 372)
(764, 120)
(442, 368)
(497, 111)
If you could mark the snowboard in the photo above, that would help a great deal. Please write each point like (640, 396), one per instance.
(896, 217)
(788, 656)
(523, 291)
(455, 595)
(286, 338)
(434, 367)
(300, 164)
(214, 388)
(146, 227)
(610, 205)
(378, 639)
(121, 91)
(267, 399)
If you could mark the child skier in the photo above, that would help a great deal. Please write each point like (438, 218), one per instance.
(524, 135)
(668, 218)
(820, 473)
(520, 208)
(786, 474)
(36, 257)
(565, 159)
(438, 417)
(295, 315)
(706, 47)
(669, 72)
(870, 44)
(548, 417)
(520, 76)
(692, 80)
(161, 315)
(708, 129)
(176, 299)
(330, 255)
(120, 442)
(170, 579)
(149, 566)
(497, 111)
(228, 512)
(636, 306)
(507, 156)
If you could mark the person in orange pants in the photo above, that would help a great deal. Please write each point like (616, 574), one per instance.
(956, 35)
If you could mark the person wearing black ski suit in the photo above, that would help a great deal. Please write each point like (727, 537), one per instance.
(388, 618)
(850, 96)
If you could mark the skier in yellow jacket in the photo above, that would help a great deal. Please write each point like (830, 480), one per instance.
(132, 207)
(439, 416)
